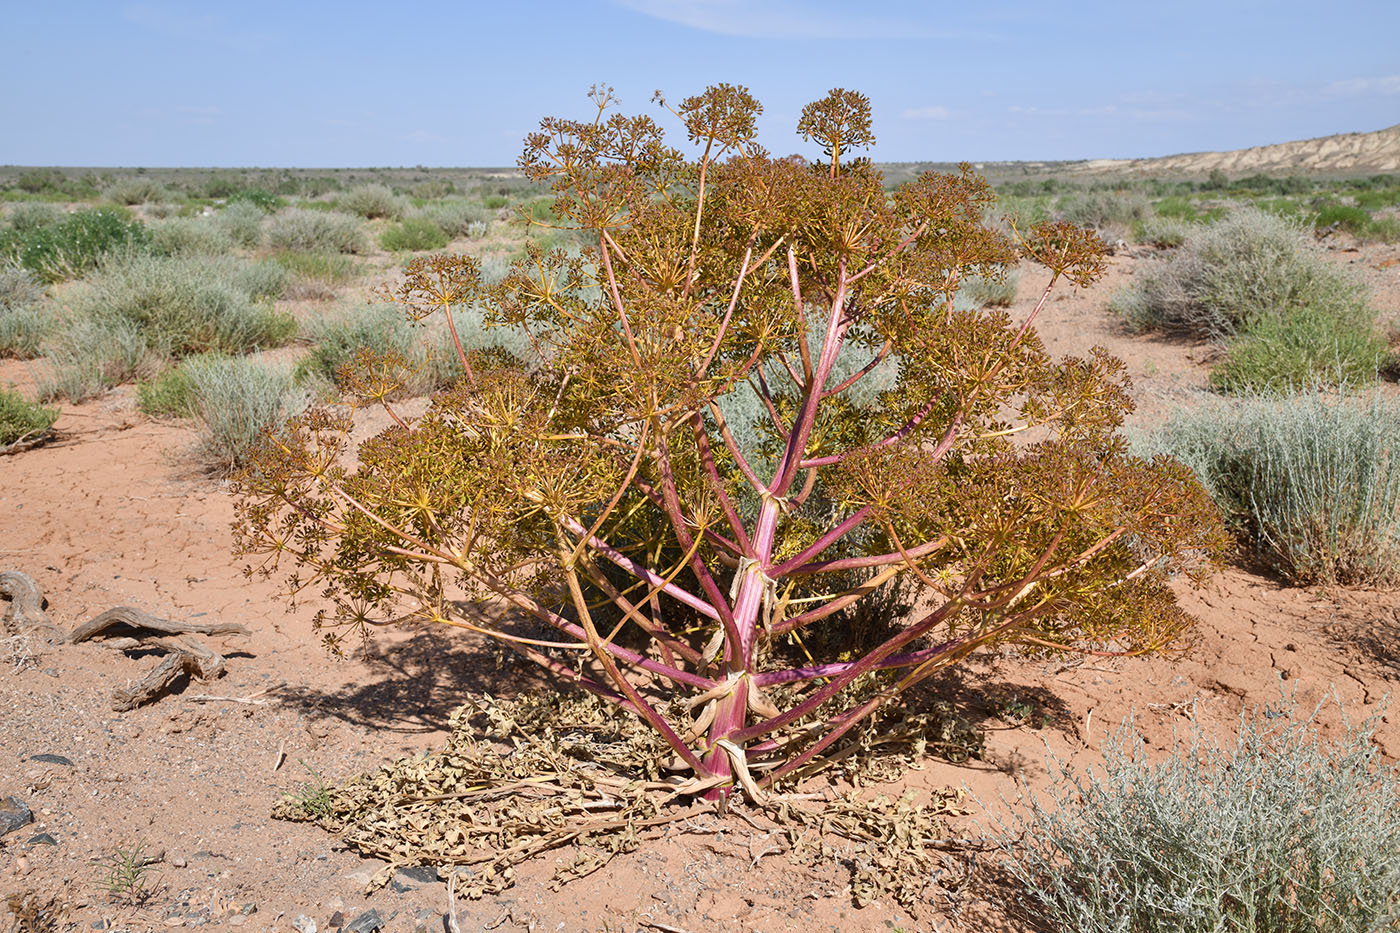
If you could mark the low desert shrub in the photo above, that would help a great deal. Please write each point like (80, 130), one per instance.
(28, 216)
(21, 419)
(184, 305)
(264, 200)
(1102, 210)
(1302, 348)
(1164, 232)
(494, 202)
(1229, 276)
(414, 234)
(990, 291)
(159, 308)
(169, 394)
(1310, 483)
(242, 222)
(316, 231)
(383, 329)
(459, 219)
(18, 286)
(88, 356)
(135, 191)
(238, 403)
(189, 236)
(23, 330)
(1276, 831)
(372, 201)
(73, 244)
(316, 266)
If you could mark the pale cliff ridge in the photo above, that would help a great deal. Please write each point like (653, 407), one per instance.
(1374, 152)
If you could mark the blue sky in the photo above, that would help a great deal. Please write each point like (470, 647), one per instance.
(256, 83)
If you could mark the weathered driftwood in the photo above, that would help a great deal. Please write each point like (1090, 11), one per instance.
(26, 615)
(124, 628)
(140, 621)
(127, 628)
(158, 681)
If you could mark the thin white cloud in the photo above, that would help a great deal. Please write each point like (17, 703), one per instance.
(927, 113)
(1387, 85)
(787, 19)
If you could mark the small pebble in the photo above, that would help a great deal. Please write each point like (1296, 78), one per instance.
(179, 861)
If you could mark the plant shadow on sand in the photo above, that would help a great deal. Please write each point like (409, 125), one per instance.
(416, 678)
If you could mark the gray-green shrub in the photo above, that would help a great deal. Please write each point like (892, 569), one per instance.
(189, 236)
(185, 305)
(301, 229)
(1102, 210)
(135, 191)
(1241, 270)
(23, 331)
(990, 291)
(157, 308)
(32, 215)
(1164, 232)
(242, 222)
(237, 403)
(1310, 482)
(88, 356)
(459, 219)
(18, 286)
(1276, 832)
(384, 329)
(371, 201)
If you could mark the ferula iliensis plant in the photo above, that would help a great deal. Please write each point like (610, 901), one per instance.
(598, 489)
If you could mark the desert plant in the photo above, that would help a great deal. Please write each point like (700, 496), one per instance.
(185, 305)
(701, 278)
(23, 331)
(1247, 268)
(88, 356)
(316, 231)
(21, 419)
(371, 201)
(1276, 831)
(241, 222)
(328, 268)
(994, 290)
(429, 355)
(18, 287)
(169, 394)
(265, 201)
(1310, 482)
(1102, 210)
(414, 234)
(135, 191)
(189, 236)
(1164, 232)
(1302, 348)
(126, 876)
(25, 217)
(459, 218)
(238, 402)
(73, 244)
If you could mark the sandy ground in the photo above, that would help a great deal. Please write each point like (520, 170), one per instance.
(114, 513)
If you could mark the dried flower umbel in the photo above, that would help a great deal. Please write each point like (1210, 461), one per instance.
(599, 488)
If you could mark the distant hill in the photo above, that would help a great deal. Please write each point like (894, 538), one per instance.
(1345, 153)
